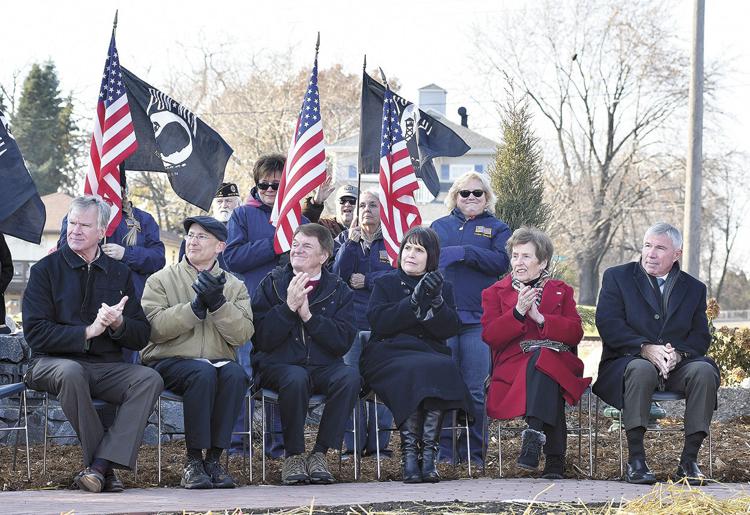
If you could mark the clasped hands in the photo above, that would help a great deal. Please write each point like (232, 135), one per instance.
(107, 316)
(664, 357)
(296, 295)
(209, 293)
(428, 291)
(526, 304)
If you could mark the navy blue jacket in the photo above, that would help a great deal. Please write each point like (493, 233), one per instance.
(352, 258)
(628, 315)
(144, 258)
(472, 257)
(64, 295)
(282, 337)
(250, 251)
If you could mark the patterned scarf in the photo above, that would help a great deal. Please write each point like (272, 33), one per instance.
(366, 241)
(538, 284)
(134, 226)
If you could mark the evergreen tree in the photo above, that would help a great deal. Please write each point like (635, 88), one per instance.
(516, 175)
(45, 131)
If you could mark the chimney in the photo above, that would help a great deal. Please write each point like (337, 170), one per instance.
(464, 116)
(432, 97)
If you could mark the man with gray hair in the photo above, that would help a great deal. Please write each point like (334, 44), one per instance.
(80, 310)
(651, 317)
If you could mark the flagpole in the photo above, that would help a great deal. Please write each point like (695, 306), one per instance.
(359, 168)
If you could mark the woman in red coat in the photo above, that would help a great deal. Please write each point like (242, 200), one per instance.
(532, 327)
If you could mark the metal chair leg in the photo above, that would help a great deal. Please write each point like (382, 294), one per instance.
(622, 468)
(263, 435)
(710, 455)
(377, 434)
(355, 423)
(499, 450)
(468, 444)
(46, 432)
(591, 456)
(26, 432)
(250, 433)
(158, 440)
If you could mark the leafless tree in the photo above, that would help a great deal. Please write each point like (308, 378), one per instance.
(607, 78)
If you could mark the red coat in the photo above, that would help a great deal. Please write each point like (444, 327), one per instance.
(503, 332)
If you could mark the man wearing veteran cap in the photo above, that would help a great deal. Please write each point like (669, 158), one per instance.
(199, 316)
(346, 200)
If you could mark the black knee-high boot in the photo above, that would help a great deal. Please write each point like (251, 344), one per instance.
(433, 423)
(411, 436)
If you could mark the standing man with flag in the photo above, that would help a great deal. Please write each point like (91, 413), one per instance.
(398, 209)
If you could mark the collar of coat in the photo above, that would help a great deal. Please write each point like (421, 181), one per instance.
(458, 214)
(215, 270)
(674, 289)
(281, 276)
(75, 261)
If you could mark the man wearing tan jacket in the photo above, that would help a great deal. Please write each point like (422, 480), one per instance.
(199, 316)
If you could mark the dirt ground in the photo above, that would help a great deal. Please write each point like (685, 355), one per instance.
(731, 452)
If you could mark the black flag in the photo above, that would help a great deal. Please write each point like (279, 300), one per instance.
(426, 137)
(172, 139)
(22, 213)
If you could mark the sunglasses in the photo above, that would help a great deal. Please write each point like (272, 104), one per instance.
(466, 193)
(265, 185)
(347, 200)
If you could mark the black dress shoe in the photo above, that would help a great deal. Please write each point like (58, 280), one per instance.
(638, 473)
(690, 470)
(112, 483)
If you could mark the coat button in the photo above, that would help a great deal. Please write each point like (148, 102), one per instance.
(656, 316)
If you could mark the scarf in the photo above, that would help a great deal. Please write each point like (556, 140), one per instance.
(537, 283)
(367, 242)
(134, 226)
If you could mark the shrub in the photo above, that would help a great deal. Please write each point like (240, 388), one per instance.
(730, 348)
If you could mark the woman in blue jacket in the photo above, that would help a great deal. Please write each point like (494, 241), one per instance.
(472, 258)
(360, 260)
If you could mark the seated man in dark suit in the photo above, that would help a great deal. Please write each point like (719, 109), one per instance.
(80, 309)
(304, 324)
(651, 317)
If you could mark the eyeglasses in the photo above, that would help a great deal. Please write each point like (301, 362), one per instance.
(265, 185)
(347, 200)
(466, 193)
(200, 237)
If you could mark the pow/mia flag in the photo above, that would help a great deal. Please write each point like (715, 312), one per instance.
(172, 139)
(22, 213)
(426, 137)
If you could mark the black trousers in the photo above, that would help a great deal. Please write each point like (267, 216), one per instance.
(295, 385)
(544, 401)
(212, 398)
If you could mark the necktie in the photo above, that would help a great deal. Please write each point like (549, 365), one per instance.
(660, 281)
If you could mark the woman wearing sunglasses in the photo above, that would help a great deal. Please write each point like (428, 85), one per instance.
(472, 258)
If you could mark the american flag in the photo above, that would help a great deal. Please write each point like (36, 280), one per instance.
(305, 167)
(398, 182)
(113, 139)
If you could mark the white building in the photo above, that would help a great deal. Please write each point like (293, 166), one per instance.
(344, 156)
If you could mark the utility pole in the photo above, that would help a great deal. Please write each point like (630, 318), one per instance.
(694, 171)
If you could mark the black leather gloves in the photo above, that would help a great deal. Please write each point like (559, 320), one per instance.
(210, 290)
(427, 292)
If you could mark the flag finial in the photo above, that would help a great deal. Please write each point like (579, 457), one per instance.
(382, 74)
(364, 64)
(114, 24)
(317, 45)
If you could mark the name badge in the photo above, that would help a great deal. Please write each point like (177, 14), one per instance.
(383, 256)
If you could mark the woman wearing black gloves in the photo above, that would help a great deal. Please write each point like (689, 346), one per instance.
(407, 362)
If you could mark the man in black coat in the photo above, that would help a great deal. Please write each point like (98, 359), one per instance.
(79, 311)
(304, 324)
(651, 317)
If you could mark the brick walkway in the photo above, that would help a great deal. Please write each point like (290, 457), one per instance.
(256, 497)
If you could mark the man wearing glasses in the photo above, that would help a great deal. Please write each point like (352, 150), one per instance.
(250, 252)
(346, 199)
(200, 315)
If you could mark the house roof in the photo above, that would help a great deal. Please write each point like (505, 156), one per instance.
(57, 205)
(477, 142)
(433, 86)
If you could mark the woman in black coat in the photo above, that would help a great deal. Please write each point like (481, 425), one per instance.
(407, 362)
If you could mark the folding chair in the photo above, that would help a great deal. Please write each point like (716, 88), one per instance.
(265, 395)
(10, 390)
(372, 397)
(580, 429)
(658, 397)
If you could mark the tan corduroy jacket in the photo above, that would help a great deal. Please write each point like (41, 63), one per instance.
(177, 332)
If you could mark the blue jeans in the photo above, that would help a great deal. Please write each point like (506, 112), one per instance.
(274, 441)
(472, 356)
(366, 422)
